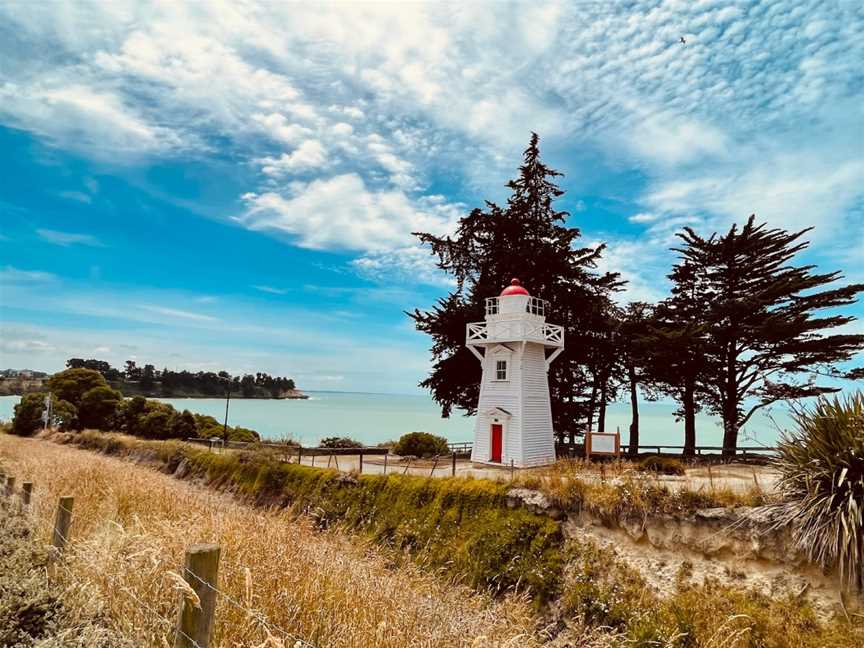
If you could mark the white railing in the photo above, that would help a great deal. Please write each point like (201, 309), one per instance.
(534, 305)
(514, 331)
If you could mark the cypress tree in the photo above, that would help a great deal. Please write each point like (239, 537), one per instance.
(527, 238)
(761, 321)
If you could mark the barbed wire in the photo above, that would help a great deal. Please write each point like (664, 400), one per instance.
(255, 614)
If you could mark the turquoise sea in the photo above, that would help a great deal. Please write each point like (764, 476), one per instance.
(373, 418)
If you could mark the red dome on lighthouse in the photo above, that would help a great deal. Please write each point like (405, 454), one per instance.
(515, 288)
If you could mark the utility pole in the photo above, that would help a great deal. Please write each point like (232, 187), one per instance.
(227, 402)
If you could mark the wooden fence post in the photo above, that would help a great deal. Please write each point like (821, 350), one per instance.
(10, 486)
(195, 624)
(299, 455)
(385, 462)
(361, 462)
(62, 522)
(453, 473)
(434, 466)
(26, 492)
(512, 470)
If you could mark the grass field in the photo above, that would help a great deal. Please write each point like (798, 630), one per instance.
(374, 561)
(131, 526)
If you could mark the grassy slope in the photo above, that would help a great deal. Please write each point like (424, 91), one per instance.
(131, 526)
(465, 528)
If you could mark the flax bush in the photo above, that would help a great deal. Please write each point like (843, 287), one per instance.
(821, 465)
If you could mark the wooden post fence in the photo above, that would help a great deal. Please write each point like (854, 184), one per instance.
(26, 492)
(62, 522)
(195, 624)
(10, 486)
(453, 472)
(385, 463)
(361, 462)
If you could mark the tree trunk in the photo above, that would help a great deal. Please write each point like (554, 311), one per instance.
(730, 434)
(634, 411)
(601, 416)
(689, 403)
(592, 403)
(730, 407)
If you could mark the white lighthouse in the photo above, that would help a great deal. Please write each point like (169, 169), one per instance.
(514, 416)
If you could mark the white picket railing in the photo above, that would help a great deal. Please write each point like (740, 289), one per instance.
(515, 330)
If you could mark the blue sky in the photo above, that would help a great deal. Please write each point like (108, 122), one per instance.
(234, 185)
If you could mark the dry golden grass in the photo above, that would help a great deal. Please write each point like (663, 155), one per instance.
(130, 529)
(618, 489)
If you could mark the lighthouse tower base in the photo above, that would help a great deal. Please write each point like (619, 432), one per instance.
(514, 415)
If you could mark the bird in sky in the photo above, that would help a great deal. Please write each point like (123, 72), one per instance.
(683, 42)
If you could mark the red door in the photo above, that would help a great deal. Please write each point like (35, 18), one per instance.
(496, 443)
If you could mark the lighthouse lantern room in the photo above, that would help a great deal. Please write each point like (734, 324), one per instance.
(515, 347)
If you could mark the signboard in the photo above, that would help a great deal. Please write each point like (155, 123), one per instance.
(602, 443)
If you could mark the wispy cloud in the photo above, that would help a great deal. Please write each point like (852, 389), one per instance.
(179, 314)
(10, 275)
(271, 290)
(68, 238)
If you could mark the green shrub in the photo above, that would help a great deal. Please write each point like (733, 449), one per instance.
(421, 444)
(28, 414)
(98, 408)
(821, 467)
(661, 465)
(71, 384)
(339, 442)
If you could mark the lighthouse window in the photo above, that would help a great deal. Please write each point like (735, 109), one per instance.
(500, 370)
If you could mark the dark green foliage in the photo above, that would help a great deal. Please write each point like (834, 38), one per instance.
(28, 414)
(662, 465)
(71, 384)
(64, 415)
(821, 467)
(421, 444)
(339, 442)
(530, 238)
(98, 408)
(183, 425)
(149, 381)
(761, 332)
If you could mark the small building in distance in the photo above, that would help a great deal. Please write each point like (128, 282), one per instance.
(514, 414)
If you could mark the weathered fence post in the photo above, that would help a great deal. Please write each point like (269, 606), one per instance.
(299, 455)
(512, 470)
(26, 492)
(10, 486)
(434, 466)
(361, 462)
(453, 472)
(195, 624)
(385, 462)
(62, 522)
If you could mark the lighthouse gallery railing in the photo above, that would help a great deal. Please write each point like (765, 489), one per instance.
(549, 334)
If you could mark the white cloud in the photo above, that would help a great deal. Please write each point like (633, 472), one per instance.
(271, 290)
(309, 155)
(343, 213)
(412, 264)
(177, 313)
(10, 275)
(643, 217)
(83, 118)
(66, 239)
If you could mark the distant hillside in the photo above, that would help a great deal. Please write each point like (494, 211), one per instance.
(133, 380)
(149, 381)
(14, 382)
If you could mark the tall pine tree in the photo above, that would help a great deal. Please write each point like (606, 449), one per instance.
(761, 321)
(527, 238)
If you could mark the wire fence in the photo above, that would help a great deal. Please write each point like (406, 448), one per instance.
(61, 541)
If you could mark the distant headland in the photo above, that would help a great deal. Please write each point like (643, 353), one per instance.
(146, 380)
